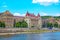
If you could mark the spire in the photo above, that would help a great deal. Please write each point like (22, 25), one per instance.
(27, 14)
(38, 15)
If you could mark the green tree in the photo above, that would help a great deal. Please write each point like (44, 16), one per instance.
(59, 25)
(56, 25)
(22, 24)
(2, 24)
(18, 24)
(46, 17)
(49, 24)
(32, 26)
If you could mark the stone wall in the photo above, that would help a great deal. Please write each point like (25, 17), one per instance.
(8, 30)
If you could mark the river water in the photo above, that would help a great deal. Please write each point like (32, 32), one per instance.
(42, 36)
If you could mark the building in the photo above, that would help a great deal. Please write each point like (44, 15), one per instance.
(7, 17)
(31, 19)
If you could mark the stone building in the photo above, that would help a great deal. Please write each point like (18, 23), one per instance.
(31, 19)
(7, 18)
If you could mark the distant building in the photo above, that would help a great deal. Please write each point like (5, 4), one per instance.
(10, 19)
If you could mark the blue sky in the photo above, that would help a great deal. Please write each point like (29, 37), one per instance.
(20, 7)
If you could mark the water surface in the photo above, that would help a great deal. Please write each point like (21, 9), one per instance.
(42, 36)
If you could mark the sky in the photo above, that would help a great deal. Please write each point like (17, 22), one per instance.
(20, 7)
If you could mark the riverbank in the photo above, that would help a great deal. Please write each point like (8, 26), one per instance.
(26, 32)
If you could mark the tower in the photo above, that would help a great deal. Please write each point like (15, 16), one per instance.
(39, 21)
(27, 19)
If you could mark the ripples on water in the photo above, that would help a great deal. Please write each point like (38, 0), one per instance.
(43, 36)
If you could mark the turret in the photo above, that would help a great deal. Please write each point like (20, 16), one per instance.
(38, 15)
(39, 21)
(27, 14)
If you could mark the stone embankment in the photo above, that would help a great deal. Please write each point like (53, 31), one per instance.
(8, 31)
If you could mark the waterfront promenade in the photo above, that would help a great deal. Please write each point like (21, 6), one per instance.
(8, 31)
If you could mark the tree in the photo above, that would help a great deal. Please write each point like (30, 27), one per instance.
(59, 25)
(2, 24)
(46, 17)
(49, 25)
(22, 24)
(18, 24)
(32, 26)
(56, 25)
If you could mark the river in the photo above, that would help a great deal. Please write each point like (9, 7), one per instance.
(42, 36)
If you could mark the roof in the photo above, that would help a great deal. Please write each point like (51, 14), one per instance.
(32, 15)
(18, 17)
(38, 15)
(6, 13)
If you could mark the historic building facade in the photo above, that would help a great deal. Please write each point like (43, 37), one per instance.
(31, 19)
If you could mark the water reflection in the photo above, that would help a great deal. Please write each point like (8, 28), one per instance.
(43, 36)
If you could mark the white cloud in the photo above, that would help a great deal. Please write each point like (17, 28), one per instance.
(18, 14)
(57, 14)
(45, 2)
(22, 14)
(43, 13)
(4, 6)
